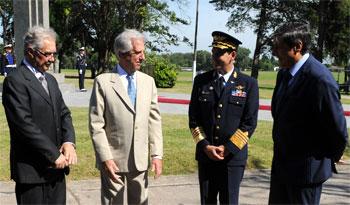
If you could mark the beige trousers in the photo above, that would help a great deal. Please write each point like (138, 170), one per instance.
(135, 184)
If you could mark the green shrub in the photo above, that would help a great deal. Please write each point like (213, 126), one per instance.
(163, 72)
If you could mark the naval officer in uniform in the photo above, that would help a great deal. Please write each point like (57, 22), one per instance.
(222, 117)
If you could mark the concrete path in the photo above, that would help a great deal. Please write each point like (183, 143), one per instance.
(176, 190)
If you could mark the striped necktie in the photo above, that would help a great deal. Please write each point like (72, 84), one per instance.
(43, 82)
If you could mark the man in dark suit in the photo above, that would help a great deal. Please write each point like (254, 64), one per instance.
(222, 117)
(309, 129)
(41, 130)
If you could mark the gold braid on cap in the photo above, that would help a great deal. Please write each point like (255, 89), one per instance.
(222, 45)
(198, 134)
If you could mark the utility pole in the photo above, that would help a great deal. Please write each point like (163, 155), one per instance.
(194, 67)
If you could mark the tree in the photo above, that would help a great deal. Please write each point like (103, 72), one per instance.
(180, 59)
(267, 63)
(204, 60)
(263, 15)
(67, 27)
(163, 72)
(6, 15)
(337, 34)
(329, 20)
(243, 61)
(100, 21)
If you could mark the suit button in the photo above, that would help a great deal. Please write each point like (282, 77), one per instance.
(216, 137)
(220, 105)
(136, 127)
(218, 116)
(217, 127)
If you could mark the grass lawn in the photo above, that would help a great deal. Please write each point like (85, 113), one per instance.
(178, 146)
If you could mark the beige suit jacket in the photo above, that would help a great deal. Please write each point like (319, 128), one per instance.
(128, 136)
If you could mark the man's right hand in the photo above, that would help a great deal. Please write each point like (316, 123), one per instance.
(61, 162)
(213, 152)
(111, 168)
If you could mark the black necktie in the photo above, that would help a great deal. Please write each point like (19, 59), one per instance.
(283, 88)
(220, 84)
(285, 83)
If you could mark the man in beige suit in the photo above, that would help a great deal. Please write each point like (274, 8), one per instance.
(125, 124)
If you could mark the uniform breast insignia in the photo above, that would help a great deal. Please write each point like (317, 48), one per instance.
(234, 74)
(239, 92)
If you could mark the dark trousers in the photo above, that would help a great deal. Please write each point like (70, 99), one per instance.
(81, 72)
(283, 193)
(48, 193)
(219, 179)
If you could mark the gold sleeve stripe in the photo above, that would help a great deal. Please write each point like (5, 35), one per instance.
(197, 134)
(240, 138)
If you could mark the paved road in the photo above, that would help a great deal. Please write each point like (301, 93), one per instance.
(81, 99)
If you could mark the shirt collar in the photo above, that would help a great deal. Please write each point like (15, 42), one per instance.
(227, 75)
(33, 70)
(121, 71)
(296, 67)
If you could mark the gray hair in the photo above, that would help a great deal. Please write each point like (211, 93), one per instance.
(36, 35)
(122, 42)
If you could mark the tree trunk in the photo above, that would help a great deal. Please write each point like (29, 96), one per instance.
(5, 35)
(256, 58)
(102, 57)
(60, 58)
(322, 15)
(259, 39)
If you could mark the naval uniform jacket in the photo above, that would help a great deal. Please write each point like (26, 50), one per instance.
(39, 124)
(228, 119)
(309, 130)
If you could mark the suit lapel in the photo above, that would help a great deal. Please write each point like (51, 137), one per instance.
(52, 89)
(295, 85)
(274, 101)
(35, 84)
(118, 87)
(140, 89)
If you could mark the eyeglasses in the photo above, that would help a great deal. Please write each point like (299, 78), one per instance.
(47, 54)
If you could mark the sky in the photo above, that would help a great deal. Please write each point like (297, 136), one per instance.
(209, 20)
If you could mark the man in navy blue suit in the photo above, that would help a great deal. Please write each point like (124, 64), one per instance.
(309, 129)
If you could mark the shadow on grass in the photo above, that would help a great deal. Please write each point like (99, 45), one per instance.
(76, 77)
(266, 88)
(257, 164)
